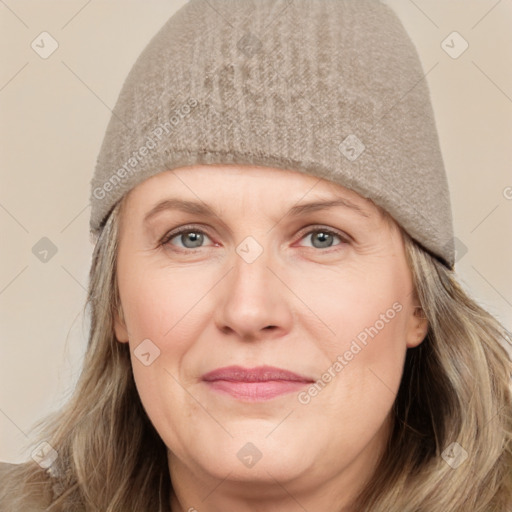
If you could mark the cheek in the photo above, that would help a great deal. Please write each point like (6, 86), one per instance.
(158, 304)
(361, 386)
(164, 315)
(356, 305)
(365, 355)
(156, 310)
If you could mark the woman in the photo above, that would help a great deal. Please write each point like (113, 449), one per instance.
(275, 319)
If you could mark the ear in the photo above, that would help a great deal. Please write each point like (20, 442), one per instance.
(120, 326)
(417, 326)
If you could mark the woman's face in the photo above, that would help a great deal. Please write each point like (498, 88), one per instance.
(261, 279)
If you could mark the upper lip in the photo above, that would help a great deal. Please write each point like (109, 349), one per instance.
(257, 374)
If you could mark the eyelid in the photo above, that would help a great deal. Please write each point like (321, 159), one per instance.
(306, 230)
(173, 233)
(344, 236)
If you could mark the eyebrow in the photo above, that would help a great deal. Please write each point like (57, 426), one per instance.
(203, 209)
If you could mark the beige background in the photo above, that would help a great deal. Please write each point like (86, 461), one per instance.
(53, 115)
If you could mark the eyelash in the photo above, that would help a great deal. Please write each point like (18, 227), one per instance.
(345, 239)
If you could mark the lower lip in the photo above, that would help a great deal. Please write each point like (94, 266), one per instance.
(256, 391)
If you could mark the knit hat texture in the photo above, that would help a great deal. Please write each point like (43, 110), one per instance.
(330, 88)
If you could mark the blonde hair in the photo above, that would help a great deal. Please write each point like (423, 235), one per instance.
(456, 388)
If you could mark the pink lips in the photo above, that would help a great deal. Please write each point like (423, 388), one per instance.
(255, 384)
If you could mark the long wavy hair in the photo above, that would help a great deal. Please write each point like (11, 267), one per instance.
(456, 388)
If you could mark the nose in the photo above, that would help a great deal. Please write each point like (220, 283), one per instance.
(253, 303)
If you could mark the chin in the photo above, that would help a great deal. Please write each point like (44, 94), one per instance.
(258, 458)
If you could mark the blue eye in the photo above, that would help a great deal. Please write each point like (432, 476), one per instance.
(325, 237)
(193, 238)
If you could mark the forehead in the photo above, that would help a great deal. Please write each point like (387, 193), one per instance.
(242, 184)
(230, 193)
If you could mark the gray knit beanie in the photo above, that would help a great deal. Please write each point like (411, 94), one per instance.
(330, 88)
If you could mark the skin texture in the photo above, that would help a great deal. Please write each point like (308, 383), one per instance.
(299, 305)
